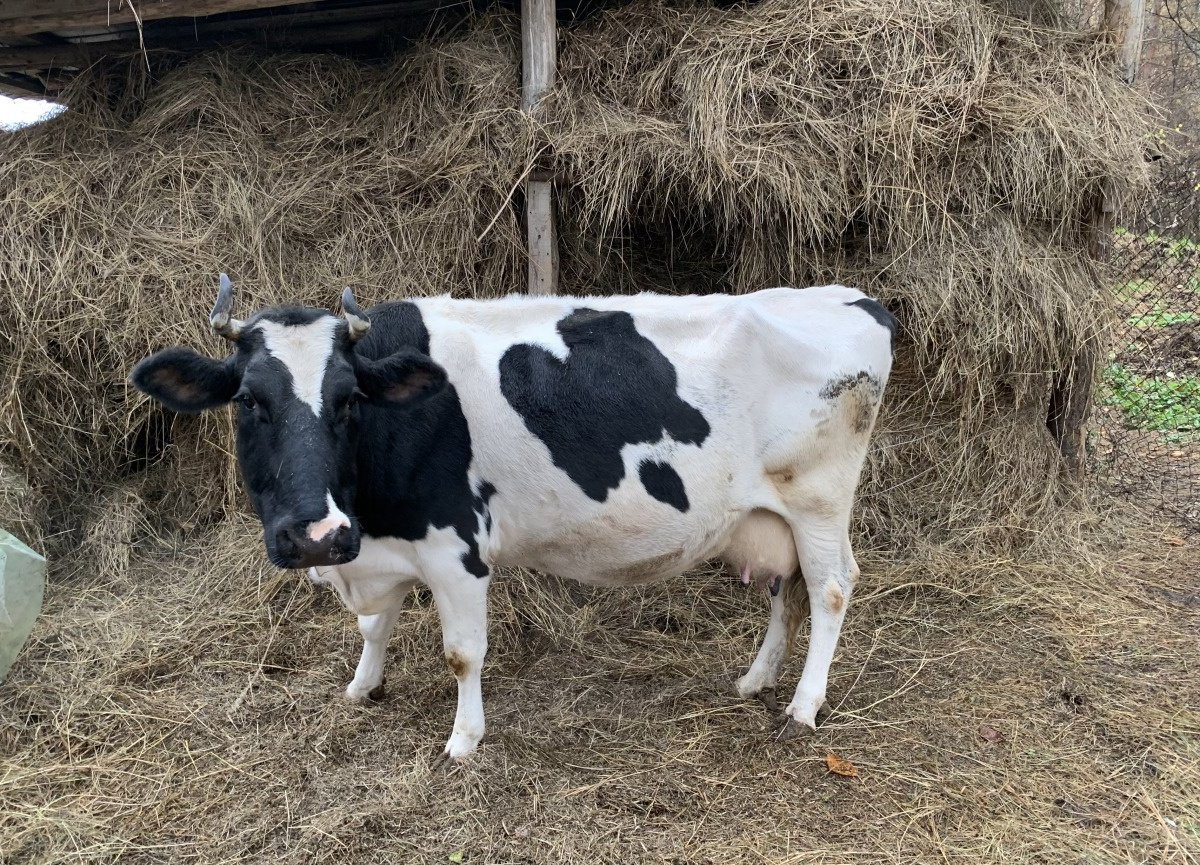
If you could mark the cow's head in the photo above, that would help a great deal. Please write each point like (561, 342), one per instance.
(297, 383)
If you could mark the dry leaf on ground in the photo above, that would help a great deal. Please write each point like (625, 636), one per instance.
(991, 734)
(841, 766)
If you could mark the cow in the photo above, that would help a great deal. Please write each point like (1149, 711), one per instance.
(611, 440)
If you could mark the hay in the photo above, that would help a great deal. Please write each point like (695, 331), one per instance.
(941, 155)
(176, 702)
(185, 711)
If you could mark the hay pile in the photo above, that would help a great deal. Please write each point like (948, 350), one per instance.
(938, 154)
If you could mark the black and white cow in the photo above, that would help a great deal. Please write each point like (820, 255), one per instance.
(612, 440)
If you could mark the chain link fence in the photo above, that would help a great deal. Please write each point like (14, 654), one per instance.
(1148, 433)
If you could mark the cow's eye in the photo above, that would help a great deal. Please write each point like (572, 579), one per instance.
(253, 408)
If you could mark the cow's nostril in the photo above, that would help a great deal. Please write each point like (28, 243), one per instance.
(287, 539)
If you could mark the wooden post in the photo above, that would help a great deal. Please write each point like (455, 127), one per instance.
(539, 51)
(1071, 399)
(1127, 19)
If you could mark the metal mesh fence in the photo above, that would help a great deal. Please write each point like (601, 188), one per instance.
(1148, 435)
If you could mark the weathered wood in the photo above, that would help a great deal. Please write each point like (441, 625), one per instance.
(539, 53)
(543, 252)
(1131, 42)
(23, 87)
(21, 17)
(57, 56)
(1071, 407)
(1125, 22)
(22, 583)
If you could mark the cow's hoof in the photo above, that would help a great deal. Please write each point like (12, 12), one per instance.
(362, 696)
(749, 686)
(793, 729)
(769, 699)
(796, 726)
(460, 747)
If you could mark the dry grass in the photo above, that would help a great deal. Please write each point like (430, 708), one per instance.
(185, 711)
(177, 700)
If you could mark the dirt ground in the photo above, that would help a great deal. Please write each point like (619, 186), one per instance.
(1006, 710)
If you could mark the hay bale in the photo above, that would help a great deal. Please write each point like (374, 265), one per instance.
(941, 155)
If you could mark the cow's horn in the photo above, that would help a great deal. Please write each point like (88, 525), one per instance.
(356, 318)
(223, 324)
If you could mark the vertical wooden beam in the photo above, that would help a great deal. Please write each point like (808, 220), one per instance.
(539, 52)
(1126, 21)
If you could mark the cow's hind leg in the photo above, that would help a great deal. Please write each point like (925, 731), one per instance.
(830, 572)
(761, 678)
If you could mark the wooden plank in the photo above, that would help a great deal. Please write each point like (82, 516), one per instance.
(21, 87)
(278, 18)
(539, 51)
(285, 29)
(58, 56)
(22, 17)
(539, 55)
(543, 251)
(1131, 41)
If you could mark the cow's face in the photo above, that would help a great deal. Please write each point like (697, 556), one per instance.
(297, 385)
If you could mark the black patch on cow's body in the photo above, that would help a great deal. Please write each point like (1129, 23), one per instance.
(481, 499)
(838, 386)
(865, 392)
(290, 316)
(413, 462)
(614, 389)
(877, 311)
(664, 483)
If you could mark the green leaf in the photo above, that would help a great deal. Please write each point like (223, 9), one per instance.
(1168, 403)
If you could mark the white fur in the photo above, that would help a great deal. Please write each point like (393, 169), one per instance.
(771, 486)
(333, 520)
(304, 349)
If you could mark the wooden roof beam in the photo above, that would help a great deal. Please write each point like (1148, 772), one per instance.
(66, 55)
(23, 17)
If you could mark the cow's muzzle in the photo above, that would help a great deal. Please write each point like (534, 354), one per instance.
(309, 544)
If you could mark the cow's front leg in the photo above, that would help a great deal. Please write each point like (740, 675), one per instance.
(370, 588)
(461, 599)
(376, 630)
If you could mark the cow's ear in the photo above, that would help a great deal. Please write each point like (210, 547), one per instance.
(400, 379)
(185, 381)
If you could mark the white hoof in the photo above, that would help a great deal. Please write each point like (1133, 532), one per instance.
(751, 685)
(361, 693)
(803, 709)
(462, 745)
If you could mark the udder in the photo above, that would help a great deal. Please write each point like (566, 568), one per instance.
(763, 550)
